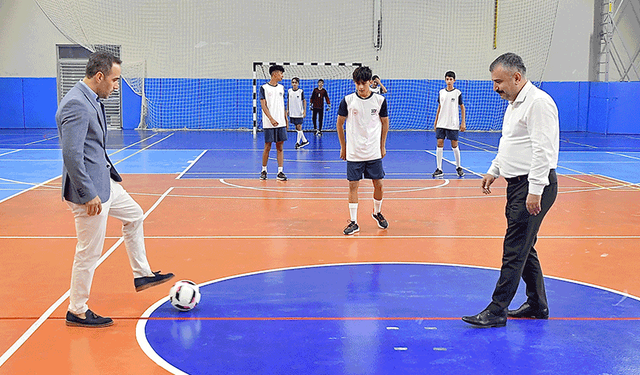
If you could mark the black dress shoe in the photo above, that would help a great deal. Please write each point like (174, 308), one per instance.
(527, 311)
(487, 319)
(142, 283)
(92, 320)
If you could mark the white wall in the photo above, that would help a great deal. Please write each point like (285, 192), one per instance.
(241, 31)
(27, 40)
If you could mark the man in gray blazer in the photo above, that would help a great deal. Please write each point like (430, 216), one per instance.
(90, 186)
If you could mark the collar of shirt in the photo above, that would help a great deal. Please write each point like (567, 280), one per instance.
(89, 88)
(522, 95)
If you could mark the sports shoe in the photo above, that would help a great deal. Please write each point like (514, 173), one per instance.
(438, 173)
(142, 283)
(351, 228)
(281, 176)
(382, 222)
(92, 320)
(460, 171)
(297, 145)
(263, 175)
(304, 143)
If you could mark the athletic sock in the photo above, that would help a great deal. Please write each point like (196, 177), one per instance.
(304, 139)
(280, 169)
(456, 153)
(353, 211)
(439, 152)
(264, 168)
(377, 206)
(299, 136)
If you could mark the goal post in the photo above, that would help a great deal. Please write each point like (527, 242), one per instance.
(337, 77)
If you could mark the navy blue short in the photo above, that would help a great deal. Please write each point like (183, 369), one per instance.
(451, 135)
(275, 134)
(371, 169)
(296, 120)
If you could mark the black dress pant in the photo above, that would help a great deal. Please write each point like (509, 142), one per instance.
(319, 114)
(519, 258)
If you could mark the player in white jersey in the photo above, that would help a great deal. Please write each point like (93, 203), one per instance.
(447, 122)
(274, 120)
(367, 125)
(377, 87)
(297, 109)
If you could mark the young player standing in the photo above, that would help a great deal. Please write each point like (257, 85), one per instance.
(367, 125)
(377, 87)
(297, 110)
(274, 119)
(318, 97)
(448, 123)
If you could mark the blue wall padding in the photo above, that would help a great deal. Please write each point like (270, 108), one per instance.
(131, 103)
(12, 103)
(178, 103)
(40, 102)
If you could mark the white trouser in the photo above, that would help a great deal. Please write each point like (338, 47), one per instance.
(91, 231)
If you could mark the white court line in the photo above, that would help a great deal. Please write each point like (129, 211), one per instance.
(25, 336)
(452, 163)
(139, 151)
(306, 237)
(445, 183)
(10, 152)
(191, 164)
(133, 144)
(42, 140)
(31, 188)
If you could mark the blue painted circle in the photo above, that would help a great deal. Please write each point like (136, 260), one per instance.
(588, 332)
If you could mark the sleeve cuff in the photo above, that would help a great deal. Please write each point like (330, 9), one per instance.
(535, 189)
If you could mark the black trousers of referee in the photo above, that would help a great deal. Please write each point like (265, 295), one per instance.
(319, 114)
(519, 258)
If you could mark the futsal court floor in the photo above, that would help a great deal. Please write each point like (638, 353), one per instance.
(285, 292)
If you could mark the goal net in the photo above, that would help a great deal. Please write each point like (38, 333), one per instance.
(337, 81)
(192, 59)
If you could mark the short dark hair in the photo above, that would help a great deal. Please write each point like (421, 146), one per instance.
(509, 61)
(321, 80)
(451, 74)
(374, 77)
(274, 68)
(101, 61)
(362, 74)
(295, 79)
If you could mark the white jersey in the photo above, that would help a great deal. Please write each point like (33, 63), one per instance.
(296, 103)
(274, 95)
(363, 125)
(375, 90)
(449, 118)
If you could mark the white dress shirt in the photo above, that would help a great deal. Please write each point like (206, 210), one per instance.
(530, 139)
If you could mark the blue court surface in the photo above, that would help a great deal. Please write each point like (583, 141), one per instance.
(388, 318)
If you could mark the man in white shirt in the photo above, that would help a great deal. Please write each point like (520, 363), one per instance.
(527, 159)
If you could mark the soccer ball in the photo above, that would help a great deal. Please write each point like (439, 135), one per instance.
(184, 295)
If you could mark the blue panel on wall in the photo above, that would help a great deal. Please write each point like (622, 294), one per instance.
(584, 91)
(598, 107)
(40, 102)
(11, 105)
(131, 103)
(566, 95)
(624, 108)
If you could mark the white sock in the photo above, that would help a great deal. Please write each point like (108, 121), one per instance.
(304, 139)
(439, 152)
(280, 169)
(353, 211)
(299, 136)
(377, 206)
(264, 168)
(456, 153)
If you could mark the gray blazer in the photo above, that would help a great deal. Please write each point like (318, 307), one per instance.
(82, 128)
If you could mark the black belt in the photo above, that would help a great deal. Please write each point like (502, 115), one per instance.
(513, 180)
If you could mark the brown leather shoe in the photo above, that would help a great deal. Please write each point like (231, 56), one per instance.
(92, 320)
